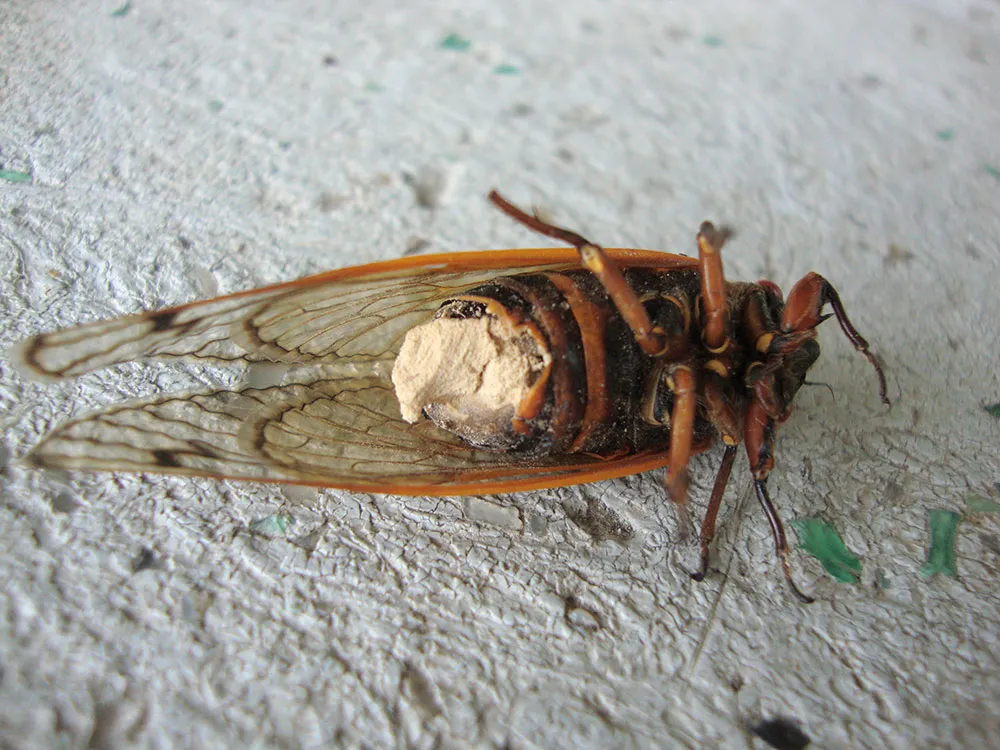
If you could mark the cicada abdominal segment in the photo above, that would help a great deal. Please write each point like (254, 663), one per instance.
(535, 368)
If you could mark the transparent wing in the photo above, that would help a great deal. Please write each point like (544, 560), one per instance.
(337, 432)
(356, 315)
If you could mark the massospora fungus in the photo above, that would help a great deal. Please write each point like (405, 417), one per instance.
(471, 369)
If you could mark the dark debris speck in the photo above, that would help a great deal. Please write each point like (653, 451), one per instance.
(781, 733)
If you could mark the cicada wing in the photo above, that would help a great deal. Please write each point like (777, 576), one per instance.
(355, 315)
(336, 432)
(313, 321)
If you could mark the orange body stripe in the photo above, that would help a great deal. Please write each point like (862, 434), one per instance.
(592, 321)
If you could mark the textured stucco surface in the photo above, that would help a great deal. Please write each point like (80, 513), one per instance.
(185, 149)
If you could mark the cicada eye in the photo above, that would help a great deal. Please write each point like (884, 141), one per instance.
(809, 352)
(797, 364)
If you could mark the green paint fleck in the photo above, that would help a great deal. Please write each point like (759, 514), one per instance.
(506, 70)
(12, 175)
(993, 410)
(122, 10)
(819, 539)
(992, 171)
(455, 42)
(373, 87)
(284, 145)
(941, 555)
(945, 135)
(712, 41)
(273, 525)
(215, 106)
(980, 504)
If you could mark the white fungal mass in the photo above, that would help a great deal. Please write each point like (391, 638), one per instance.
(469, 375)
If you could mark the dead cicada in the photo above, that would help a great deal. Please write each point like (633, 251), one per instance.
(510, 370)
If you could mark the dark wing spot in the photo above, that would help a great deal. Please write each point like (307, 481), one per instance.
(166, 459)
(162, 320)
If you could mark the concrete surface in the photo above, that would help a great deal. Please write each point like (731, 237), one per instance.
(179, 150)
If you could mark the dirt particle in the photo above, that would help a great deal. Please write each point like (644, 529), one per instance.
(145, 560)
(64, 502)
(581, 617)
(600, 521)
(896, 255)
(431, 186)
(781, 733)
(327, 202)
(870, 82)
(416, 244)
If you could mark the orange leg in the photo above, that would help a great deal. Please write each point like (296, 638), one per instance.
(714, 503)
(682, 382)
(758, 433)
(713, 287)
(651, 340)
(716, 397)
(803, 313)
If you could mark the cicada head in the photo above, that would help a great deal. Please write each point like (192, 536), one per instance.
(793, 368)
(792, 350)
(786, 356)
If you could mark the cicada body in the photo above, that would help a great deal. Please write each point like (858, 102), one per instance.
(464, 373)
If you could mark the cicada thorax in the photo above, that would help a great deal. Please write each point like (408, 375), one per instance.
(591, 388)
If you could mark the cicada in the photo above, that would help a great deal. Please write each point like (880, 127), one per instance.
(467, 373)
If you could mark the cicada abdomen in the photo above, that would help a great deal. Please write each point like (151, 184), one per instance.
(545, 363)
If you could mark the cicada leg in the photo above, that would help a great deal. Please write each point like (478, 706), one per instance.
(712, 513)
(715, 331)
(758, 432)
(802, 313)
(653, 341)
(681, 381)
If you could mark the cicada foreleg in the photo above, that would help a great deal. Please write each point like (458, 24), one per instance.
(802, 314)
(716, 334)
